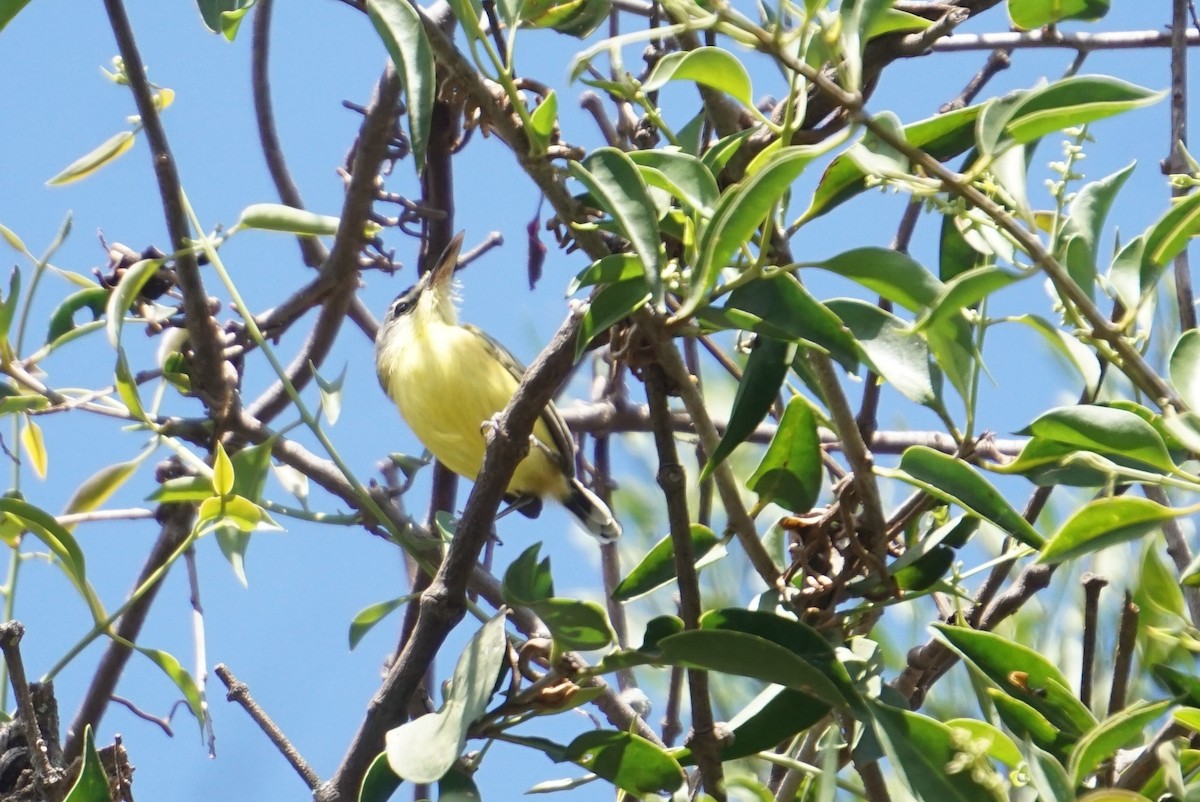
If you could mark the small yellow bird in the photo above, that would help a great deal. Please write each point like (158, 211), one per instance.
(451, 380)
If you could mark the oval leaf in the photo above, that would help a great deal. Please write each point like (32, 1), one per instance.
(757, 390)
(1105, 522)
(790, 472)
(84, 166)
(956, 482)
(711, 66)
(400, 27)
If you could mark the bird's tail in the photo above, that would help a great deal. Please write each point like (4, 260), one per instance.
(591, 512)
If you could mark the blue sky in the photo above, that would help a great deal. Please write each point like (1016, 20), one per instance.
(285, 635)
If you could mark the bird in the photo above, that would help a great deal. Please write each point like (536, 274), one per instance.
(450, 381)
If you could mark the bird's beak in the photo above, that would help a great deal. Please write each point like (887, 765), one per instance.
(443, 271)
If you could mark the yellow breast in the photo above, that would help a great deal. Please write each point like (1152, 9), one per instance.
(447, 383)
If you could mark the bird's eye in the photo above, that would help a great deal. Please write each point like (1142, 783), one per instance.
(400, 307)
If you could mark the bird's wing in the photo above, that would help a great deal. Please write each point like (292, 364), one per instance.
(559, 433)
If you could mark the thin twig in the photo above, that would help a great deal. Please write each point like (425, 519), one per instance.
(1114, 40)
(672, 480)
(1092, 585)
(213, 378)
(1175, 161)
(1123, 655)
(45, 776)
(176, 524)
(341, 268)
(240, 693)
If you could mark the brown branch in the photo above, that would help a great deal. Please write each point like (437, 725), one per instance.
(1175, 161)
(1043, 38)
(442, 605)
(1123, 655)
(45, 776)
(673, 481)
(240, 693)
(213, 378)
(735, 511)
(176, 524)
(341, 268)
(1092, 585)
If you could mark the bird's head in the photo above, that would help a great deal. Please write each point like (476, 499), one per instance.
(431, 299)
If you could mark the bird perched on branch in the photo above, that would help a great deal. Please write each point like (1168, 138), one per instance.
(451, 380)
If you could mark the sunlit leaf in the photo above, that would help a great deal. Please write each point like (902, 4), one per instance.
(714, 67)
(106, 152)
(399, 25)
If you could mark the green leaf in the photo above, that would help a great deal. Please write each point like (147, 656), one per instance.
(99, 487)
(1027, 723)
(542, 121)
(1022, 673)
(127, 389)
(424, 749)
(35, 447)
(223, 475)
(628, 761)
(380, 782)
(1116, 732)
(182, 680)
(790, 471)
(741, 210)
(1157, 590)
(781, 307)
(1072, 102)
(331, 394)
(896, 352)
(681, 174)
(729, 651)
(92, 783)
(966, 290)
(1079, 355)
(617, 186)
(1105, 522)
(1113, 432)
(183, 488)
(229, 510)
(714, 67)
(1000, 745)
(921, 749)
(1168, 237)
(892, 274)
(457, 786)
(1086, 216)
(770, 718)
(611, 269)
(575, 625)
(123, 297)
(609, 306)
(757, 390)
(285, 220)
(231, 21)
(956, 482)
(62, 319)
(943, 137)
(9, 308)
(1185, 367)
(403, 35)
(528, 581)
(1031, 14)
(1047, 774)
(657, 568)
(10, 9)
(107, 151)
(250, 466)
(368, 617)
